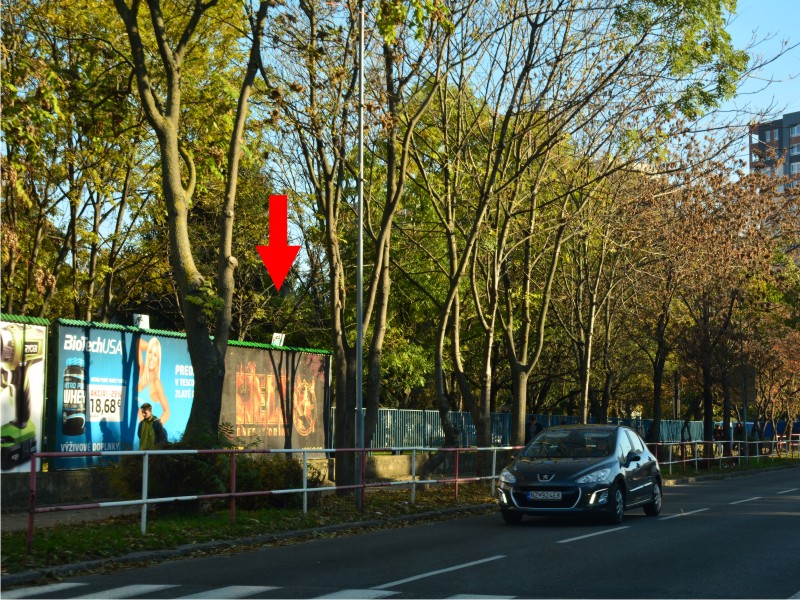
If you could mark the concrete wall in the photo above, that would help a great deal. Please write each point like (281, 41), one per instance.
(54, 488)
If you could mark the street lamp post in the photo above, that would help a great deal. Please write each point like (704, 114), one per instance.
(360, 262)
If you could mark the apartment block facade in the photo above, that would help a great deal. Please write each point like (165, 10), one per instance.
(775, 140)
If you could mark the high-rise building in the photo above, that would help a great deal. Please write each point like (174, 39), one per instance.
(774, 140)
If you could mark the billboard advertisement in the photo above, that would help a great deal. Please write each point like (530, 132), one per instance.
(23, 348)
(276, 399)
(103, 376)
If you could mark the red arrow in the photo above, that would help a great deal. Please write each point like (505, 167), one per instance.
(278, 256)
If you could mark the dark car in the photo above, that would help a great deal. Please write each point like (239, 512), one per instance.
(593, 469)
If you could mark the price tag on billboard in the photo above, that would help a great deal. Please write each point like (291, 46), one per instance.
(105, 402)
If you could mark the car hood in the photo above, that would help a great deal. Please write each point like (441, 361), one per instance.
(558, 468)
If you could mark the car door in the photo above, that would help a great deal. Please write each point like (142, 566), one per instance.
(638, 471)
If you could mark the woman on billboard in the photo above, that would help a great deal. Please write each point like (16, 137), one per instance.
(150, 375)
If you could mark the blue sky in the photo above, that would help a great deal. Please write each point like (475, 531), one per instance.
(779, 19)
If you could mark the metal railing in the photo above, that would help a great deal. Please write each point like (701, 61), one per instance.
(700, 454)
(145, 500)
(696, 454)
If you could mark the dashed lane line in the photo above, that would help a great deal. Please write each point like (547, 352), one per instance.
(583, 537)
(437, 572)
(746, 500)
(683, 514)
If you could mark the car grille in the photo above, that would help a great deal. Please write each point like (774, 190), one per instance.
(569, 497)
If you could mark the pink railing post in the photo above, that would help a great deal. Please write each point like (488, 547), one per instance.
(413, 475)
(233, 487)
(363, 477)
(31, 503)
(457, 453)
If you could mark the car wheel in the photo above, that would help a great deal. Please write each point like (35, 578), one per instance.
(653, 508)
(616, 506)
(511, 517)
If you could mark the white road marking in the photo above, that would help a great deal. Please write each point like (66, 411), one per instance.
(357, 594)
(583, 537)
(747, 500)
(233, 591)
(684, 514)
(126, 591)
(789, 491)
(36, 592)
(438, 572)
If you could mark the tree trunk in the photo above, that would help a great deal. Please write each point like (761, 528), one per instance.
(519, 390)
(708, 410)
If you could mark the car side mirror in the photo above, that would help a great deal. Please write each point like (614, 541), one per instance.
(632, 456)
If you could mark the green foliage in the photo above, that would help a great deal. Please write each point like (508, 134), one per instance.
(692, 37)
(205, 296)
(393, 15)
(406, 367)
(172, 475)
(276, 472)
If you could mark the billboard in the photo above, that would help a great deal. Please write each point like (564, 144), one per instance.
(102, 377)
(276, 399)
(23, 349)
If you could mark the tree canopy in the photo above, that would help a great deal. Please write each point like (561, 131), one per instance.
(545, 229)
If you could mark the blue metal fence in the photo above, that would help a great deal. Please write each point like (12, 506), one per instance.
(400, 428)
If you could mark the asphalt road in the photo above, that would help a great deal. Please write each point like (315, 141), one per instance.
(729, 538)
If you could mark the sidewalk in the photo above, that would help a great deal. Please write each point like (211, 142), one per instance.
(18, 521)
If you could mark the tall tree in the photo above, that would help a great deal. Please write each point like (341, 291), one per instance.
(160, 81)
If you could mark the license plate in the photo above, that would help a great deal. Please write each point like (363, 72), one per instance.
(544, 495)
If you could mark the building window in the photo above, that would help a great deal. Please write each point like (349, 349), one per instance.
(795, 168)
(794, 131)
(767, 136)
(775, 135)
(794, 150)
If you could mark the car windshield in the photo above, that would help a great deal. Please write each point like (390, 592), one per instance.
(572, 443)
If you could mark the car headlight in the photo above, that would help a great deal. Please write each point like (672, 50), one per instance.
(507, 477)
(595, 476)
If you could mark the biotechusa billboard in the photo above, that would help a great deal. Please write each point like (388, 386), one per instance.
(100, 380)
(23, 351)
(277, 399)
(103, 376)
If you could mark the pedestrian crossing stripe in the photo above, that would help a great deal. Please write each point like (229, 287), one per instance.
(37, 591)
(233, 591)
(127, 591)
